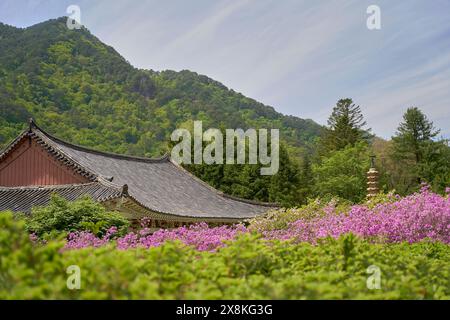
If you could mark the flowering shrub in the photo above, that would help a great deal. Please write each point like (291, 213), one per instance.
(200, 236)
(420, 216)
(83, 239)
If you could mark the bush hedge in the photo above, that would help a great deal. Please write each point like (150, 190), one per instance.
(248, 267)
(84, 214)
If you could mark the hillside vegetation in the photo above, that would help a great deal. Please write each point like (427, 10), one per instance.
(82, 90)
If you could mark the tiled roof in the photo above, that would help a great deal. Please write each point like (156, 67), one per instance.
(23, 199)
(159, 184)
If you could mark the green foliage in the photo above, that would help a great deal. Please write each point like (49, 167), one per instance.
(83, 214)
(345, 127)
(381, 198)
(246, 181)
(306, 178)
(342, 156)
(435, 165)
(85, 92)
(343, 173)
(422, 158)
(248, 268)
(281, 218)
(412, 132)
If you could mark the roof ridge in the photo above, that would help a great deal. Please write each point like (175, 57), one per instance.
(13, 143)
(34, 132)
(163, 158)
(109, 184)
(54, 149)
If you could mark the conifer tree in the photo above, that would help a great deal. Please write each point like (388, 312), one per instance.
(423, 159)
(412, 133)
(345, 127)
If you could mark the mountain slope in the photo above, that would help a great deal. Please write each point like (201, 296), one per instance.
(83, 91)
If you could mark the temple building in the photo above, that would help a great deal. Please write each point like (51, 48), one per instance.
(36, 165)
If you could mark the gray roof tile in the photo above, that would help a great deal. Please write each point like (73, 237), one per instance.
(23, 199)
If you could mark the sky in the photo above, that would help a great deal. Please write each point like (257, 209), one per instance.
(299, 56)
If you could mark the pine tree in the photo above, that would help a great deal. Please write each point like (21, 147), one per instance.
(345, 127)
(412, 133)
(413, 146)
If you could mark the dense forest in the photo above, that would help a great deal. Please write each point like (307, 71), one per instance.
(83, 91)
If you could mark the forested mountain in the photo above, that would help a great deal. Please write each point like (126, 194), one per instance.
(83, 91)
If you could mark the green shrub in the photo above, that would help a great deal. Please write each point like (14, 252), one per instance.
(61, 215)
(380, 198)
(247, 268)
(343, 173)
(280, 219)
